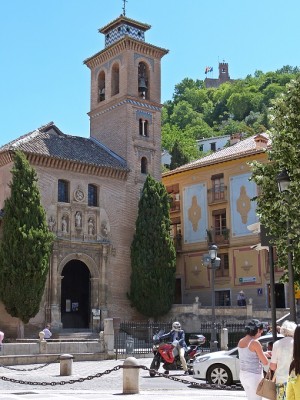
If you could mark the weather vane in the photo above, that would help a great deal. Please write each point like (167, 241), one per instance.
(124, 7)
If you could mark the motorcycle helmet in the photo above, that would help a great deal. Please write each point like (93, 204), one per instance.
(176, 326)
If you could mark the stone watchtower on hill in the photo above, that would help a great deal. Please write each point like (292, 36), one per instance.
(223, 77)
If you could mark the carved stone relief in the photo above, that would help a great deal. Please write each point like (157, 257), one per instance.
(79, 194)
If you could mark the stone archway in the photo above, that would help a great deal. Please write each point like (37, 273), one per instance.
(96, 291)
(75, 295)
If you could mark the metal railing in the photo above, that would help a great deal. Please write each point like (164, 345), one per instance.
(137, 337)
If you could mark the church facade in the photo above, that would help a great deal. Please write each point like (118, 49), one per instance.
(90, 187)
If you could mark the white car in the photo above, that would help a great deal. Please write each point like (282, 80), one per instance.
(223, 367)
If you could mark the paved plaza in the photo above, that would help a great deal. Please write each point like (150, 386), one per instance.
(100, 380)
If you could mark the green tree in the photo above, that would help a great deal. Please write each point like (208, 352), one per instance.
(275, 208)
(178, 157)
(184, 115)
(26, 245)
(153, 257)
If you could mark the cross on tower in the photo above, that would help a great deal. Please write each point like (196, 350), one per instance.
(124, 7)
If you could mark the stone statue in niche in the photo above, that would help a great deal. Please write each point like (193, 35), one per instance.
(104, 229)
(51, 223)
(91, 226)
(64, 225)
(78, 219)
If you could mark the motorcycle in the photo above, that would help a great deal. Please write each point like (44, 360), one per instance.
(167, 353)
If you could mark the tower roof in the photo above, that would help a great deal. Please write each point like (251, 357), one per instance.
(121, 27)
(121, 20)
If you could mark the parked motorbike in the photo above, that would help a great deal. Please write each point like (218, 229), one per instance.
(168, 355)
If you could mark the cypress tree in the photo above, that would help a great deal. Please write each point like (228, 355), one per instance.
(26, 244)
(153, 257)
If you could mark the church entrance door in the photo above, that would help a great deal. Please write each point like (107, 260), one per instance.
(75, 295)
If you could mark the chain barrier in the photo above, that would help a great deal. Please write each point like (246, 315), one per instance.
(87, 378)
(195, 384)
(108, 371)
(26, 369)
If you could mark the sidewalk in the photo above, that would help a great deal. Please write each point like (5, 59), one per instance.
(143, 395)
(100, 380)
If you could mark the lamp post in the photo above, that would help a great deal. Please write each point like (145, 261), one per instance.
(214, 264)
(283, 181)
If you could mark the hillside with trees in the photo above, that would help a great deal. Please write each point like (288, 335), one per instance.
(242, 106)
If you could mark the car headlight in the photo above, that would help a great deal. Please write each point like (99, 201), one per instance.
(201, 359)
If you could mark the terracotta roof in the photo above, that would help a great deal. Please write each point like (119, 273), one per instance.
(49, 141)
(252, 145)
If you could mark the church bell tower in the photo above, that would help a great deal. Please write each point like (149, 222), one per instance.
(125, 110)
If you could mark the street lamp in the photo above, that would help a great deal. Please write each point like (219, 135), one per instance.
(283, 181)
(213, 264)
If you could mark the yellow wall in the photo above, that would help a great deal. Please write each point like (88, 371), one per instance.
(247, 267)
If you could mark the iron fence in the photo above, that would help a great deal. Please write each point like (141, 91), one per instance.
(137, 337)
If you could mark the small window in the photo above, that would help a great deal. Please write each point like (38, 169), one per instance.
(144, 165)
(213, 146)
(218, 187)
(143, 127)
(63, 191)
(223, 270)
(92, 196)
(219, 218)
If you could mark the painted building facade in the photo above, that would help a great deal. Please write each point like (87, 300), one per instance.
(212, 203)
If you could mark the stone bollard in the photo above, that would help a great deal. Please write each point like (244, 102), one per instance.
(66, 362)
(131, 375)
(224, 339)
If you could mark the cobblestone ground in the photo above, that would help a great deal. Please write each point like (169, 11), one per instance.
(104, 387)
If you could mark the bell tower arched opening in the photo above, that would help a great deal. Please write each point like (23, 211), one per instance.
(101, 86)
(143, 81)
(75, 295)
(115, 79)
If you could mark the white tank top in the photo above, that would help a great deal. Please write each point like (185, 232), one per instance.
(249, 360)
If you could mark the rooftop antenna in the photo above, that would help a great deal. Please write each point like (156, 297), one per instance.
(124, 7)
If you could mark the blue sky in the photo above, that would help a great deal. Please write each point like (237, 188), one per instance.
(43, 45)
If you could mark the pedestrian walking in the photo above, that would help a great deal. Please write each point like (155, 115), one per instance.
(252, 357)
(282, 355)
(293, 384)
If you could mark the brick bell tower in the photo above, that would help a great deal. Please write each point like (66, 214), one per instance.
(125, 110)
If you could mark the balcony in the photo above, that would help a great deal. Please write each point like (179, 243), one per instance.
(218, 236)
(175, 203)
(217, 194)
(178, 242)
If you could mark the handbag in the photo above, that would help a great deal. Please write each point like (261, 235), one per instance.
(266, 387)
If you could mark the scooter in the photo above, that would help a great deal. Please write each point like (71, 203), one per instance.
(167, 353)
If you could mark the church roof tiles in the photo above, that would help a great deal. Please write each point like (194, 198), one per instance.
(49, 141)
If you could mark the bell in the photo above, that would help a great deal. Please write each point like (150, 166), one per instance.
(142, 85)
